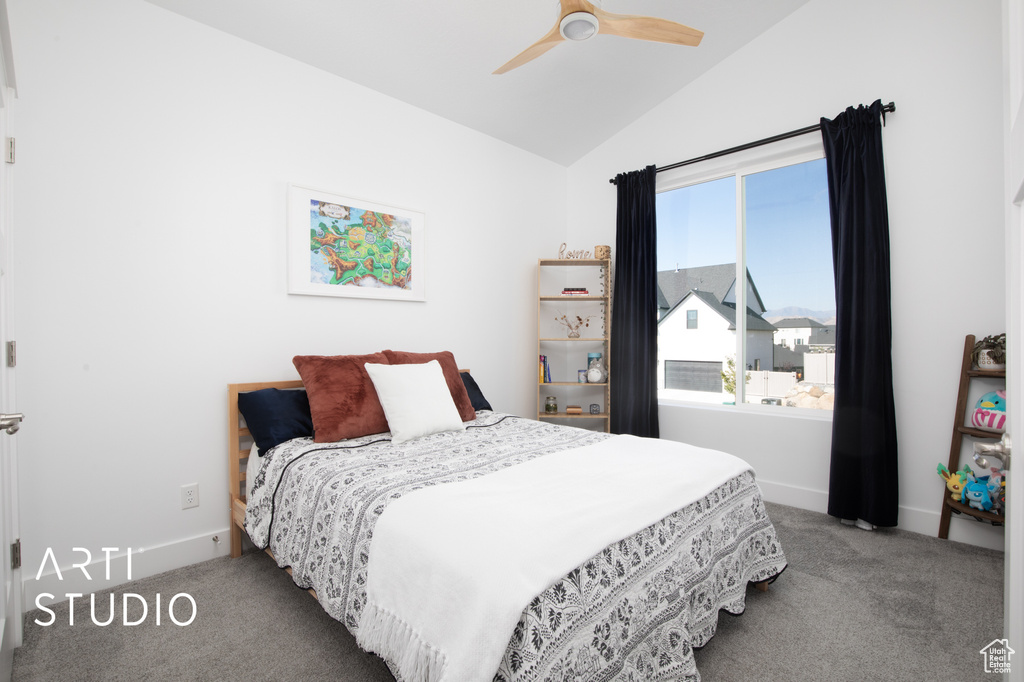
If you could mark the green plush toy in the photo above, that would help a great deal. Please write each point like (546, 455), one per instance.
(955, 482)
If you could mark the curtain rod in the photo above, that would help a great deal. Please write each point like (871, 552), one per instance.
(888, 108)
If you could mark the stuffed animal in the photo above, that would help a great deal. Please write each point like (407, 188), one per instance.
(990, 412)
(996, 486)
(954, 482)
(976, 495)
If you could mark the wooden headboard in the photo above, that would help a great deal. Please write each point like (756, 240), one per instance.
(239, 444)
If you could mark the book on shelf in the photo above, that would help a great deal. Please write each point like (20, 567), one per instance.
(575, 291)
(543, 370)
(573, 409)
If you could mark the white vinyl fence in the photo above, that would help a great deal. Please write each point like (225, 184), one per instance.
(764, 384)
(820, 368)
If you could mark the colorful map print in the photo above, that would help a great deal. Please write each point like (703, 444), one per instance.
(358, 247)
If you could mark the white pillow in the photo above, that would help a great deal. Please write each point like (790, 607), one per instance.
(416, 399)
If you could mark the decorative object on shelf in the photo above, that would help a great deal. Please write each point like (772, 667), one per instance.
(339, 246)
(976, 495)
(572, 255)
(990, 412)
(955, 481)
(990, 353)
(989, 466)
(550, 405)
(595, 408)
(573, 409)
(574, 324)
(595, 369)
(581, 376)
(602, 252)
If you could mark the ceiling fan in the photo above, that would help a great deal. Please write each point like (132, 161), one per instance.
(580, 20)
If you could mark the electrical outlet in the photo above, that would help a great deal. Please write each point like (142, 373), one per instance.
(190, 496)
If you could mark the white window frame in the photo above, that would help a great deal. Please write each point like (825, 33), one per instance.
(795, 150)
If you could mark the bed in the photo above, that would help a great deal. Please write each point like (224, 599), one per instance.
(634, 610)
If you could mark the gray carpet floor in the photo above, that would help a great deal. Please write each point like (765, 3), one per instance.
(853, 605)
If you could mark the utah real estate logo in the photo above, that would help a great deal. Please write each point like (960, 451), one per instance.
(997, 656)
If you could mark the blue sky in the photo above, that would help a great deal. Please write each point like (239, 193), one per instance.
(789, 240)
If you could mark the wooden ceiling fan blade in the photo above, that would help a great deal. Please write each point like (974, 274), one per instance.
(552, 38)
(647, 28)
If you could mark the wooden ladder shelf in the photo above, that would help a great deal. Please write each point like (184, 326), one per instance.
(949, 505)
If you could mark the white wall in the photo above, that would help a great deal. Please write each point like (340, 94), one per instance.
(154, 156)
(939, 60)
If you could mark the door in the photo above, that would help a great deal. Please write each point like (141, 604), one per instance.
(10, 577)
(1013, 55)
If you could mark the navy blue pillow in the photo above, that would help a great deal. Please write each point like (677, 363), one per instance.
(476, 396)
(274, 416)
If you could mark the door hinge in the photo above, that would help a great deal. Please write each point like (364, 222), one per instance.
(10, 150)
(12, 353)
(16, 554)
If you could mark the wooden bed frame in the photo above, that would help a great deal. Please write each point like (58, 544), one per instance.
(239, 444)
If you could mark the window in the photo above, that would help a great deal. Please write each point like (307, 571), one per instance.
(764, 214)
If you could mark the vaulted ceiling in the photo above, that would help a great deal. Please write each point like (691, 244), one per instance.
(439, 56)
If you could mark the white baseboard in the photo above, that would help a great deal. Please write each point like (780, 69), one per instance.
(145, 561)
(961, 529)
(794, 496)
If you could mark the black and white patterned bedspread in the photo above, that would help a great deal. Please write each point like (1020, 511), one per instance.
(633, 612)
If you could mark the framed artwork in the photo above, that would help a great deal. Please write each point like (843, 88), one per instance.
(340, 246)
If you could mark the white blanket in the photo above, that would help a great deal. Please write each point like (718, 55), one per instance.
(452, 567)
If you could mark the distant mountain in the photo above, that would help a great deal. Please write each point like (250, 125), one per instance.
(823, 316)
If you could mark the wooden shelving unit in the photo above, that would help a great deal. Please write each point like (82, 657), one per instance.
(565, 386)
(960, 430)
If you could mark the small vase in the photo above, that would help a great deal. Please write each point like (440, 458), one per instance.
(574, 333)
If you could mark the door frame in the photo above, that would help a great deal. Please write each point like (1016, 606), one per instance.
(1013, 95)
(11, 607)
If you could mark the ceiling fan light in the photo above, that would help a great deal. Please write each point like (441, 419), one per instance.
(578, 26)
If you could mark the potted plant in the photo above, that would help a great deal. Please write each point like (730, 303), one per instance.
(990, 353)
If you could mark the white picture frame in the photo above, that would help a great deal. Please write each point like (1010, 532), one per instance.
(342, 246)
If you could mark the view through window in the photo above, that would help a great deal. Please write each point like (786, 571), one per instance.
(773, 224)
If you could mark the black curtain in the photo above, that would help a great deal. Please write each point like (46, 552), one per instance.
(863, 483)
(634, 352)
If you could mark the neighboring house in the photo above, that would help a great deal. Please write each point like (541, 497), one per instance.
(719, 280)
(697, 330)
(798, 331)
(824, 338)
(800, 336)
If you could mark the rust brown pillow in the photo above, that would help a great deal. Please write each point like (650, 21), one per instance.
(342, 399)
(451, 376)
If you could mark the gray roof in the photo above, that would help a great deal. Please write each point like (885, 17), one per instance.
(823, 337)
(674, 285)
(755, 322)
(790, 322)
